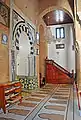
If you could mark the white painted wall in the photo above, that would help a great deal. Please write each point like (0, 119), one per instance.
(24, 61)
(22, 57)
(71, 53)
(64, 57)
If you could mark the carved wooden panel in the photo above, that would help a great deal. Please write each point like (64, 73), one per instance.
(55, 76)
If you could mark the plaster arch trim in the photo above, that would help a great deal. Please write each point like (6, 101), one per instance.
(77, 43)
(19, 28)
(49, 9)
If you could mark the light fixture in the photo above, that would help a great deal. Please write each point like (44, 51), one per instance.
(47, 31)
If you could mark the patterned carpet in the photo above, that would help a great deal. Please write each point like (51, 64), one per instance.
(50, 102)
(55, 107)
(33, 99)
(25, 104)
(2, 118)
(37, 95)
(19, 111)
(51, 116)
(60, 97)
(41, 92)
(58, 101)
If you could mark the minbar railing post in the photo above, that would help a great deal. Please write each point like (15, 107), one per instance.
(72, 76)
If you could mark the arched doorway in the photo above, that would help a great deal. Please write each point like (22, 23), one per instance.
(61, 46)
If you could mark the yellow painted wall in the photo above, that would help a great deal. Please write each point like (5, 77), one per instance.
(44, 4)
(4, 56)
(78, 38)
(7, 2)
(77, 25)
(43, 51)
(79, 66)
(79, 5)
(4, 53)
(78, 31)
(29, 7)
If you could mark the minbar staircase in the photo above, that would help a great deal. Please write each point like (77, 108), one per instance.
(55, 74)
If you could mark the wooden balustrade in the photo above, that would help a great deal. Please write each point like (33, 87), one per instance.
(56, 74)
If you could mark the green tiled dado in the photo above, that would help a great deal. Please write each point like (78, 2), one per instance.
(28, 83)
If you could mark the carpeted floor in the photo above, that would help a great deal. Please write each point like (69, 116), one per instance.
(60, 97)
(25, 104)
(61, 93)
(38, 95)
(2, 118)
(41, 92)
(51, 116)
(19, 111)
(37, 106)
(58, 101)
(33, 99)
(55, 107)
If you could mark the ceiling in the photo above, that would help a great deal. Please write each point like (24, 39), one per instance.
(57, 17)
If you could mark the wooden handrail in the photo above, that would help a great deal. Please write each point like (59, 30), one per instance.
(60, 67)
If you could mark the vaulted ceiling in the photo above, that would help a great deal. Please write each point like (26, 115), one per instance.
(57, 17)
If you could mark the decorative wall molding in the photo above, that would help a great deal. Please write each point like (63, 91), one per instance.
(4, 14)
(21, 27)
